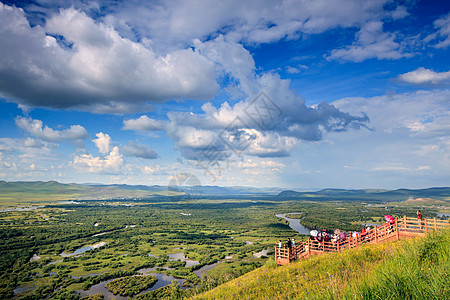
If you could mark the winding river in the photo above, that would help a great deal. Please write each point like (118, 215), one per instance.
(295, 224)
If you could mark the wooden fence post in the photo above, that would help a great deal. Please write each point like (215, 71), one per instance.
(426, 226)
(338, 246)
(435, 226)
(396, 228)
(276, 256)
(376, 234)
(404, 222)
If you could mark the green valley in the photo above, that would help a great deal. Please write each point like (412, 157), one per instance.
(61, 249)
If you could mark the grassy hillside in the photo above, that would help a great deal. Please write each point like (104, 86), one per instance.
(407, 269)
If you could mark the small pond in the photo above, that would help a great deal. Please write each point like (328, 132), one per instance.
(83, 249)
(180, 256)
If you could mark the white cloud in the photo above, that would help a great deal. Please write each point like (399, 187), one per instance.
(100, 66)
(421, 113)
(75, 133)
(103, 142)
(395, 167)
(249, 163)
(29, 142)
(139, 150)
(27, 159)
(423, 168)
(140, 53)
(111, 163)
(262, 144)
(295, 70)
(267, 124)
(443, 32)
(424, 76)
(176, 23)
(6, 148)
(372, 42)
(143, 123)
(411, 130)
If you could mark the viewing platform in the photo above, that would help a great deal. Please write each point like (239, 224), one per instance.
(399, 228)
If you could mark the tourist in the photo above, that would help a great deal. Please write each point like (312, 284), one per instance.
(367, 232)
(279, 244)
(363, 233)
(419, 218)
(289, 243)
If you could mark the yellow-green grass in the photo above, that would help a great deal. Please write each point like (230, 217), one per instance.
(423, 202)
(406, 269)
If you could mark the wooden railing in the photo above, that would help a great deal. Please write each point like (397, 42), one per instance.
(399, 228)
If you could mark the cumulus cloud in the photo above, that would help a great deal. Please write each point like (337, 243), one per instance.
(143, 123)
(140, 53)
(263, 124)
(105, 64)
(138, 150)
(103, 142)
(424, 76)
(372, 42)
(111, 163)
(100, 66)
(75, 133)
(176, 23)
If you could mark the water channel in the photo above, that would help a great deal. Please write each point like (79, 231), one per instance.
(295, 223)
(163, 280)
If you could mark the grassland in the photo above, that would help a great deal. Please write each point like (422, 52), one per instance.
(224, 231)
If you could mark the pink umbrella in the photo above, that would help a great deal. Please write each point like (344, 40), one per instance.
(389, 218)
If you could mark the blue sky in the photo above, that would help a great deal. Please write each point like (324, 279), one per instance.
(295, 94)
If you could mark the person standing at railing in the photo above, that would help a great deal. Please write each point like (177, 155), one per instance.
(368, 232)
(419, 218)
(289, 247)
(279, 244)
(363, 233)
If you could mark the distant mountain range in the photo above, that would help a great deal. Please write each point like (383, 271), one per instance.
(53, 190)
(440, 193)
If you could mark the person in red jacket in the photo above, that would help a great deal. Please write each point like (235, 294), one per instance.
(419, 218)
